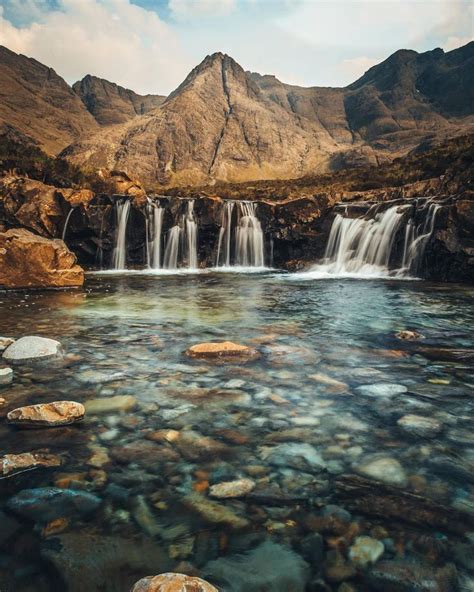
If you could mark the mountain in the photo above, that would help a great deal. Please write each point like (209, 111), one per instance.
(109, 103)
(39, 104)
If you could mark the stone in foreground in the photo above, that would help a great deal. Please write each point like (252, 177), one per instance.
(172, 582)
(13, 464)
(58, 413)
(31, 261)
(31, 348)
(227, 489)
(225, 350)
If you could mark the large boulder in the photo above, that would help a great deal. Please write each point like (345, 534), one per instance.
(172, 582)
(30, 348)
(58, 413)
(31, 261)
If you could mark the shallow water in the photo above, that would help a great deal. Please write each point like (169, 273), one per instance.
(303, 415)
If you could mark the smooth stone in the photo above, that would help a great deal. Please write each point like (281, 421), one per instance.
(381, 389)
(32, 347)
(385, 469)
(269, 566)
(307, 421)
(93, 377)
(110, 404)
(172, 582)
(297, 455)
(417, 425)
(366, 550)
(237, 488)
(57, 413)
(48, 503)
(12, 464)
(6, 375)
(214, 512)
(222, 350)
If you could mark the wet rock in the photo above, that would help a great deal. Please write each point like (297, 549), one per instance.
(6, 375)
(214, 512)
(401, 576)
(300, 456)
(237, 488)
(225, 350)
(12, 464)
(31, 261)
(144, 516)
(94, 377)
(9, 527)
(58, 413)
(163, 436)
(106, 405)
(48, 503)
(194, 446)
(381, 389)
(97, 563)
(337, 569)
(5, 342)
(312, 549)
(408, 335)
(145, 453)
(382, 468)
(417, 425)
(453, 467)
(366, 550)
(267, 567)
(172, 582)
(32, 348)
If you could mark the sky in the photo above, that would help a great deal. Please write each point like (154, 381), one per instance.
(151, 45)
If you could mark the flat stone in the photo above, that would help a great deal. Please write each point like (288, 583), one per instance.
(48, 503)
(385, 469)
(106, 405)
(381, 389)
(58, 413)
(425, 427)
(172, 582)
(6, 375)
(222, 350)
(237, 488)
(32, 348)
(366, 550)
(12, 464)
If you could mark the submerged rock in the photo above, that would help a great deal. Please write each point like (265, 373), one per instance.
(225, 350)
(172, 582)
(6, 375)
(366, 550)
(48, 503)
(237, 488)
(408, 335)
(385, 469)
(31, 348)
(297, 455)
(417, 425)
(106, 405)
(268, 567)
(381, 389)
(402, 576)
(58, 413)
(12, 464)
(214, 512)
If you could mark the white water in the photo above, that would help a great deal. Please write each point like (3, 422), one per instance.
(172, 248)
(119, 258)
(249, 243)
(191, 233)
(363, 248)
(66, 223)
(154, 226)
(225, 236)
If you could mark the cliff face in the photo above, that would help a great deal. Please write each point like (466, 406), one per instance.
(110, 103)
(38, 103)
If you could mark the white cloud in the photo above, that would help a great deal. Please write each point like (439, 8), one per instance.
(186, 9)
(112, 39)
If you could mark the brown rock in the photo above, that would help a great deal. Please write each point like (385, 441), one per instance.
(408, 335)
(58, 413)
(30, 261)
(228, 489)
(12, 464)
(172, 582)
(225, 350)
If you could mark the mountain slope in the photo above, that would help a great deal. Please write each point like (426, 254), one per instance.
(110, 103)
(37, 102)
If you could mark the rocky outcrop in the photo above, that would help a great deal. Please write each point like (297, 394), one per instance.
(31, 261)
(110, 103)
(38, 103)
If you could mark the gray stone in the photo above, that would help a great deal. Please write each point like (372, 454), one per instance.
(382, 468)
(381, 389)
(366, 550)
(6, 375)
(417, 425)
(31, 348)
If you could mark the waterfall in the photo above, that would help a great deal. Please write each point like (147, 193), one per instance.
(66, 223)
(172, 248)
(364, 247)
(249, 243)
(154, 226)
(190, 230)
(225, 235)
(119, 258)
(182, 241)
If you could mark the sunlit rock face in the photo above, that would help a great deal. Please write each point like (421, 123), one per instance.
(31, 261)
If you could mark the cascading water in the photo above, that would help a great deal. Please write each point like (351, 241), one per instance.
(66, 223)
(182, 241)
(225, 236)
(172, 248)
(119, 257)
(191, 231)
(362, 247)
(154, 226)
(249, 243)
